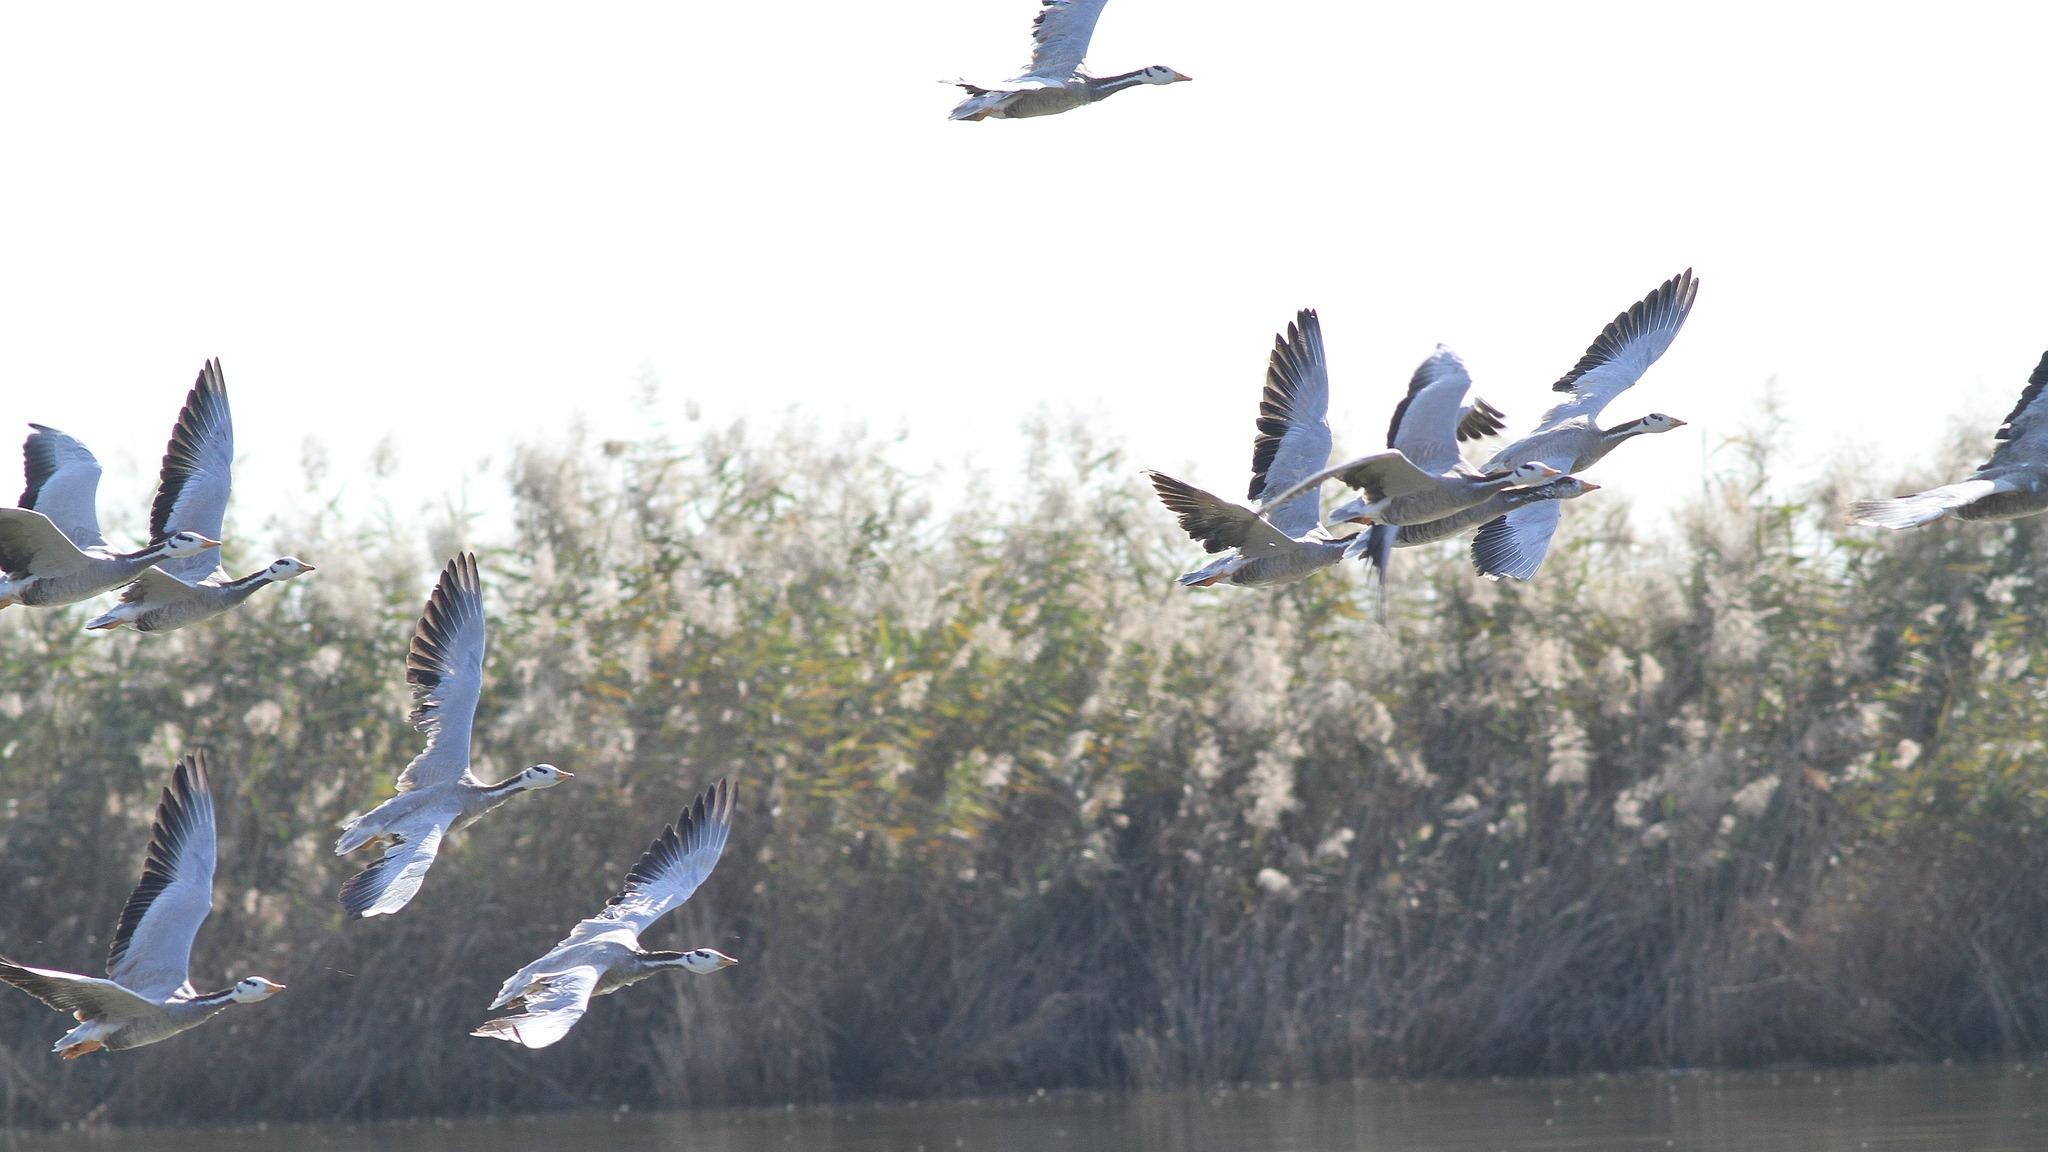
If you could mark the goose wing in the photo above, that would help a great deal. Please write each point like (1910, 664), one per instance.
(1429, 421)
(551, 1006)
(1625, 349)
(445, 667)
(2023, 437)
(1378, 475)
(672, 867)
(1059, 38)
(1294, 424)
(1216, 523)
(63, 484)
(192, 490)
(152, 947)
(391, 882)
(31, 543)
(90, 997)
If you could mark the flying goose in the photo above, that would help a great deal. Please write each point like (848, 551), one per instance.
(197, 471)
(436, 793)
(1054, 82)
(2014, 482)
(148, 995)
(1401, 491)
(51, 550)
(602, 954)
(1569, 436)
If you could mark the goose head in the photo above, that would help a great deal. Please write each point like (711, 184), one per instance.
(179, 545)
(250, 989)
(543, 776)
(1659, 422)
(704, 960)
(286, 567)
(1161, 74)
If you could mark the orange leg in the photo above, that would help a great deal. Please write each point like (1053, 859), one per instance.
(80, 1049)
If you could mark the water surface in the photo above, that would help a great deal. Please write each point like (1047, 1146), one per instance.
(1976, 1108)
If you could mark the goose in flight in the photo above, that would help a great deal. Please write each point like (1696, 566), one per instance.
(148, 995)
(437, 793)
(198, 468)
(602, 954)
(2014, 482)
(1569, 436)
(51, 550)
(1398, 490)
(1053, 82)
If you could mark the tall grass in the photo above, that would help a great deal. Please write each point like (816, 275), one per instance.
(1015, 812)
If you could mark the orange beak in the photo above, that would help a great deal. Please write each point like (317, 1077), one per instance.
(209, 543)
(305, 567)
(725, 961)
(1589, 486)
(565, 775)
(1182, 76)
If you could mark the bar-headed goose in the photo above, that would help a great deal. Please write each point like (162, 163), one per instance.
(197, 475)
(51, 549)
(1054, 82)
(2014, 482)
(148, 995)
(1401, 491)
(1569, 436)
(437, 793)
(602, 954)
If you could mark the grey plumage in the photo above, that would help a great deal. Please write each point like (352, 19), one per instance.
(2012, 483)
(148, 995)
(1569, 437)
(436, 794)
(602, 954)
(1053, 82)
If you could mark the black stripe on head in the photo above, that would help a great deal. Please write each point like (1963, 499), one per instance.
(1294, 354)
(1667, 306)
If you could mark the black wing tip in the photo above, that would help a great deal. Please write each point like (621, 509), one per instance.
(1293, 352)
(456, 595)
(205, 407)
(1481, 420)
(39, 459)
(177, 809)
(362, 890)
(1495, 555)
(2035, 383)
(1674, 295)
(706, 816)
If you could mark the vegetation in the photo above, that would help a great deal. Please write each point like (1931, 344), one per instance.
(1015, 812)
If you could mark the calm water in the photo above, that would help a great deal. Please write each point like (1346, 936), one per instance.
(1975, 1109)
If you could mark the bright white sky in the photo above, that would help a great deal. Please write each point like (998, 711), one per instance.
(458, 227)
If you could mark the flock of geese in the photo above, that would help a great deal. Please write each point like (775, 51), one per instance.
(1417, 490)
(147, 994)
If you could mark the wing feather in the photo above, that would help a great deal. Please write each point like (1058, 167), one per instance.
(1215, 523)
(391, 882)
(1059, 38)
(1426, 421)
(2021, 436)
(1294, 422)
(445, 666)
(89, 997)
(30, 543)
(1626, 348)
(63, 484)
(552, 1005)
(192, 490)
(152, 948)
(1514, 545)
(672, 867)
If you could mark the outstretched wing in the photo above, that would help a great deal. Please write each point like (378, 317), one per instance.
(152, 948)
(395, 878)
(63, 484)
(1294, 424)
(1427, 422)
(672, 867)
(1059, 37)
(1625, 349)
(1514, 545)
(445, 667)
(2023, 437)
(1216, 523)
(192, 491)
(552, 1005)
(89, 997)
(1481, 420)
(31, 543)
